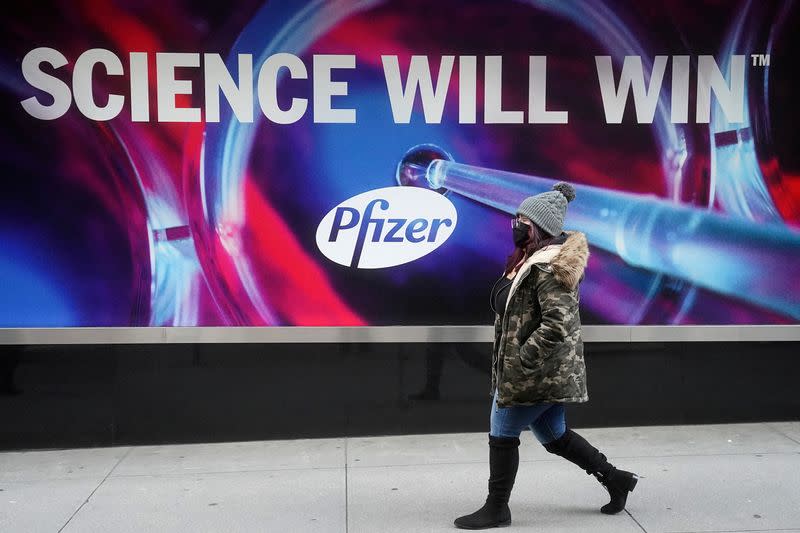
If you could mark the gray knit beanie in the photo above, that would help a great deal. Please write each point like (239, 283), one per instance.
(548, 209)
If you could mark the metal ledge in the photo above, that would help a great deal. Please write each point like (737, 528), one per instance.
(379, 334)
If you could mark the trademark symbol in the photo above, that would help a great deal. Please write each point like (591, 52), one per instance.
(760, 60)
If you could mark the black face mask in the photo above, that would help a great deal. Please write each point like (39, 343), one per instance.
(521, 231)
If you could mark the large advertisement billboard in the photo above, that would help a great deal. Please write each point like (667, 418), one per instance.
(357, 162)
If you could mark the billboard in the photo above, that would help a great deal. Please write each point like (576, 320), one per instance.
(356, 163)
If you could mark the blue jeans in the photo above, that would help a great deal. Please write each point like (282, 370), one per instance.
(546, 420)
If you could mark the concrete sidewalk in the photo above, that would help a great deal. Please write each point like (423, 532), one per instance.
(713, 478)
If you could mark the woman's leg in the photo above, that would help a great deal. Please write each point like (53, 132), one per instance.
(550, 425)
(506, 424)
(510, 422)
(550, 429)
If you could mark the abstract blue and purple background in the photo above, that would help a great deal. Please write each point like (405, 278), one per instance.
(121, 223)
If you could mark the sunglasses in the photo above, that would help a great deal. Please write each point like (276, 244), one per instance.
(518, 223)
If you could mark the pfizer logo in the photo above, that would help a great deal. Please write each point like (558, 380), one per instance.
(386, 227)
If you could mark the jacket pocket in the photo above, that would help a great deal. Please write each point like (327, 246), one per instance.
(530, 361)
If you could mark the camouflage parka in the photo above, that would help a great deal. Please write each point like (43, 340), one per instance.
(538, 349)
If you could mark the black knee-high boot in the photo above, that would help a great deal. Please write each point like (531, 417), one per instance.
(576, 449)
(503, 464)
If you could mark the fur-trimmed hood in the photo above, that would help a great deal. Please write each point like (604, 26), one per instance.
(566, 261)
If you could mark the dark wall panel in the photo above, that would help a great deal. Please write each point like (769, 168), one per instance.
(71, 396)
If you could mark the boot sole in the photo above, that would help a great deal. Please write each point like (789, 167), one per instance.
(501, 524)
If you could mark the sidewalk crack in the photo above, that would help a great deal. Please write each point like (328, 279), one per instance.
(779, 432)
(637, 522)
(95, 489)
(346, 491)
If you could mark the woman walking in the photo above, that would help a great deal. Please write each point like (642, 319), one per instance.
(537, 359)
